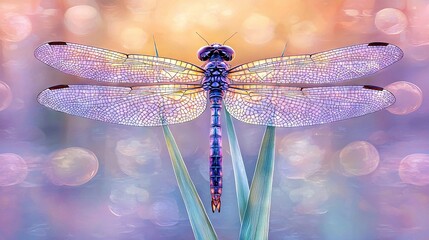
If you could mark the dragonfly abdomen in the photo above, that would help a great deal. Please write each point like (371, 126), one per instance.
(215, 96)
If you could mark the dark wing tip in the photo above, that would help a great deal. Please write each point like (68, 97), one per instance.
(373, 87)
(378, 44)
(57, 43)
(58, 87)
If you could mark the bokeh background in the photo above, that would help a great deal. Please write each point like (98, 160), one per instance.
(65, 177)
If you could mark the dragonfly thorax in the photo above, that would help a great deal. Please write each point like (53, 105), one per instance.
(215, 76)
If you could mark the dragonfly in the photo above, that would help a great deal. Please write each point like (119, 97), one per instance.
(285, 91)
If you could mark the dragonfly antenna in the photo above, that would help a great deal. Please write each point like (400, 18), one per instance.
(229, 38)
(154, 44)
(202, 38)
(284, 50)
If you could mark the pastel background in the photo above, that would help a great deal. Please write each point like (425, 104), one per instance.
(65, 177)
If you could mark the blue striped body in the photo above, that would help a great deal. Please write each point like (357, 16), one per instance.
(215, 82)
(215, 149)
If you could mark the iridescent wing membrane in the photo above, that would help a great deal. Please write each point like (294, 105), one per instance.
(137, 106)
(292, 106)
(162, 97)
(259, 92)
(109, 66)
(331, 66)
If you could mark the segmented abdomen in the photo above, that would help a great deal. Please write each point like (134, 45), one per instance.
(215, 97)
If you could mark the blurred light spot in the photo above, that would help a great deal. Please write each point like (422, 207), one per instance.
(22, 133)
(13, 169)
(82, 19)
(179, 22)
(379, 137)
(359, 158)
(14, 27)
(127, 228)
(303, 35)
(203, 168)
(165, 213)
(258, 29)
(357, 16)
(137, 156)
(216, 14)
(120, 210)
(133, 38)
(301, 156)
(39, 230)
(418, 52)
(408, 96)
(72, 166)
(390, 21)
(418, 17)
(125, 198)
(414, 169)
(310, 199)
(140, 6)
(250, 139)
(141, 194)
(50, 18)
(5, 96)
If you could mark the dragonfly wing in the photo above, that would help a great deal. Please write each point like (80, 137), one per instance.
(109, 66)
(292, 107)
(137, 106)
(320, 68)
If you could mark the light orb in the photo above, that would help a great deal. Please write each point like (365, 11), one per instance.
(408, 97)
(414, 169)
(13, 169)
(359, 158)
(72, 166)
(390, 21)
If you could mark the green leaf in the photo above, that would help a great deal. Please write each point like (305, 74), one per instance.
(240, 176)
(255, 224)
(200, 223)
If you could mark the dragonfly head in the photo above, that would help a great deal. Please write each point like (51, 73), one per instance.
(223, 51)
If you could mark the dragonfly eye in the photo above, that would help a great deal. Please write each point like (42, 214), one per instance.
(227, 53)
(204, 53)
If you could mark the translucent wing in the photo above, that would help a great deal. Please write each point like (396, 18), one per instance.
(292, 107)
(137, 106)
(326, 67)
(109, 66)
